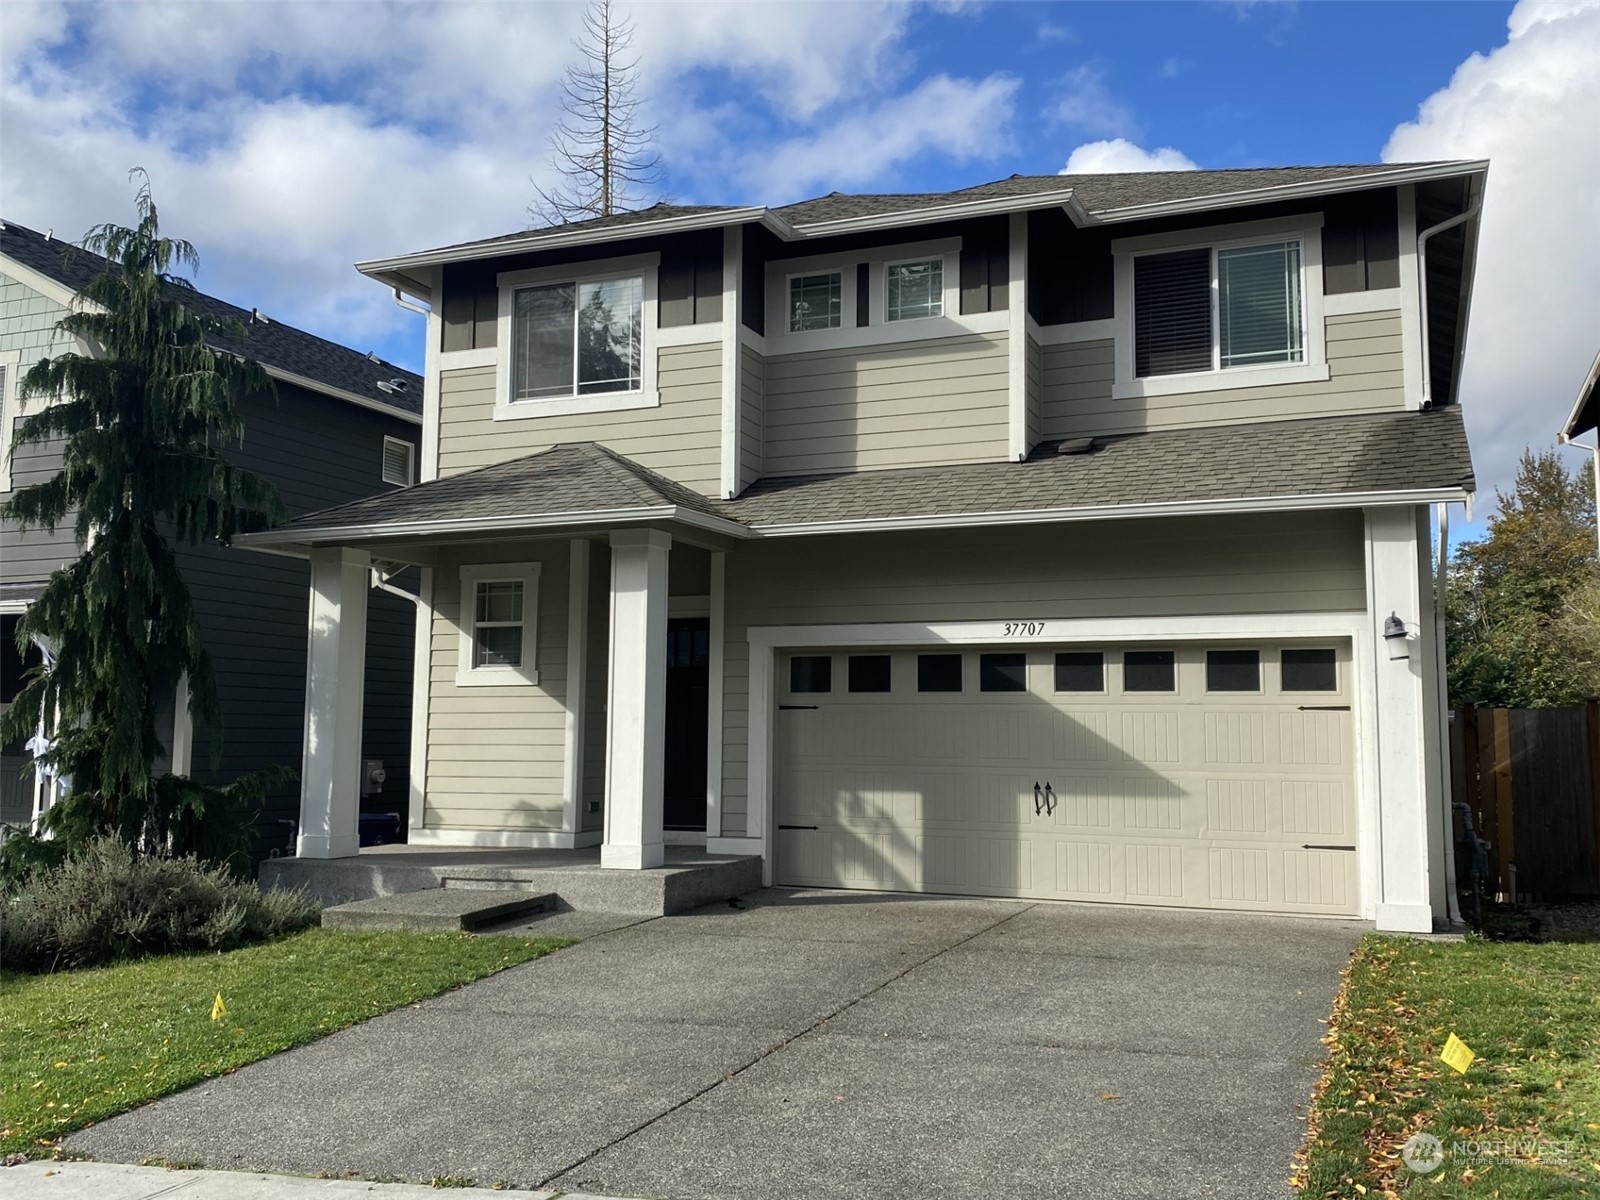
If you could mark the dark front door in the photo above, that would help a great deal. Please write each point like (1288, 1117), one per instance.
(688, 683)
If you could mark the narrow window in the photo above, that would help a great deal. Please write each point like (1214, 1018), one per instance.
(1002, 672)
(869, 672)
(815, 302)
(1080, 671)
(811, 673)
(399, 459)
(938, 672)
(1172, 313)
(914, 289)
(1233, 670)
(1149, 671)
(543, 336)
(497, 624)
(610, 324)
(1258, 305)
(1310, 671)
(572, 339)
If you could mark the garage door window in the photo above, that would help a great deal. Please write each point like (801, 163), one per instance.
(1310, 671)
(1149, 671)
(1003, 672)
(1080, 671)
(869, 672)
(811, 673)
(1233, 670)
(938, 672)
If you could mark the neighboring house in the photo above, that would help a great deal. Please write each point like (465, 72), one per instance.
(1061, 537)
(342, 425)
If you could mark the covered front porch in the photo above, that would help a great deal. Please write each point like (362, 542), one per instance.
(561, 701)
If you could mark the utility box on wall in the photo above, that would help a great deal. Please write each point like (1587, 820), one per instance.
(372, 776)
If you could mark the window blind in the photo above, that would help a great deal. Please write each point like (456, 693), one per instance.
(1172, 313)
(1258, 304)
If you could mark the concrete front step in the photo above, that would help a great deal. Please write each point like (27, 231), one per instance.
(439, 910)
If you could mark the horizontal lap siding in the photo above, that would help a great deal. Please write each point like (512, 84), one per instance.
(1363, 361)
(1273, 563)
(681, 438)
(909, 404)
(752, 414)
(1034, 405)
(495, 753)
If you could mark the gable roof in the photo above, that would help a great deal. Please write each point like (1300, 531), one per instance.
(1324, 462)
(286, 353)
(1088, 199)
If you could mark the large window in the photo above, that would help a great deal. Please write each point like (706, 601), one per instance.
(914, 289)
(499, 611)
(816, 301)
(577, 338)
(1208, 309)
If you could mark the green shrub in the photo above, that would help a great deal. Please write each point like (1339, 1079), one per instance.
(106, 904)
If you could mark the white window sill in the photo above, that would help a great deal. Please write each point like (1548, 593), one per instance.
(1231, 379)
(496, 677)
(561, 406)
(912, 329)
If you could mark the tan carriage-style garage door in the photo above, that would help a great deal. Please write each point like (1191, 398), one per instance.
(1208, 776)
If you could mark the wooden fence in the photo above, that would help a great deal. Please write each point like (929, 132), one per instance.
(1531, 777)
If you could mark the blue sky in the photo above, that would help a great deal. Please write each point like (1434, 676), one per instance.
(290, 140)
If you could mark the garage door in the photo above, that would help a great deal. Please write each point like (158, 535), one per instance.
(1200, 776)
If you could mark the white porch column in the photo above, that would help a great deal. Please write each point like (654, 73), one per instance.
(636, 699)
(330, 774)
(1403, 691)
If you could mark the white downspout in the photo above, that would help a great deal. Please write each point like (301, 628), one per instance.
(1422, 286)
(400, 299)
(1441, 580)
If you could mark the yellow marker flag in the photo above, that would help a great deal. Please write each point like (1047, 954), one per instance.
(220, 1010)
(1457, 1055)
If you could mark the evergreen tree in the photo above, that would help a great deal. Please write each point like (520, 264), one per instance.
(1522, 600)
(140, 425)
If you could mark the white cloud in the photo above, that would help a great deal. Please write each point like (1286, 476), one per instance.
(1531, 107)
(1088, 107)
(1118, 155)
(962, 119)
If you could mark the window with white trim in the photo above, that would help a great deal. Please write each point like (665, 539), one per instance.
(1212, 309)
(399, 461)
(816, 301)
(914, 289)
(577, 338)
(499, 624)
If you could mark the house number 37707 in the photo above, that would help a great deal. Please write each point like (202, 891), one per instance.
(1024, 628)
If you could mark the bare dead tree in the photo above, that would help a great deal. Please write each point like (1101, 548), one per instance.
(603, 152)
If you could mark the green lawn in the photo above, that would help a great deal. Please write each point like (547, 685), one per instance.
(1531, 1012)
(82, 1045)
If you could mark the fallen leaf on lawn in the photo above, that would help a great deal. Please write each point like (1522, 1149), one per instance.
(1109, 1096)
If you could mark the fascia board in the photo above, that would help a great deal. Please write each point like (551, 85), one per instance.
(1288, 191)
(1107, 512)
(1062, 198)
(290, 535)
(1586, 397)
(378, 267)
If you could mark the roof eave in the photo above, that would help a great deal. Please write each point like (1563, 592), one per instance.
(392, 270)
(1586, 408)
(1290, 191)
(1060, 198)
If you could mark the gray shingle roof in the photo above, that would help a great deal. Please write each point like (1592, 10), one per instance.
(1324, 456)
(656, 212)
(271, 343)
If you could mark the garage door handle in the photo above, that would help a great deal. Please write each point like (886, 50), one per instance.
(786, 707)
(1038, 800)
(1324, 708)
(796, 826)
(1309, 847)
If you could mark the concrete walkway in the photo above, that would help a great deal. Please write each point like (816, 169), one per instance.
(821, 1044)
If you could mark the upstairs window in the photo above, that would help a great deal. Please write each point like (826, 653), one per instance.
(577, 338)
(914, 289)
(816, 301)
(1211, 309)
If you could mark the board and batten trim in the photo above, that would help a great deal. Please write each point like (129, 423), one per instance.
(766, 640)
(1017, 343)
(714, 669)
(421, 694)
(1411, 332)
(577, 664)
(732, 267)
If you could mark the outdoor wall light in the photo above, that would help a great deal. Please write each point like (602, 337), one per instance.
(1394, 636)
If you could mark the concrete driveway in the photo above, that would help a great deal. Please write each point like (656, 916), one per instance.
(817, 1044)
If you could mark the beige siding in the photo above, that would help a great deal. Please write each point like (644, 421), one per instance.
(1363, 360)
(495, 753)
(1273, 563)
(1035, 392)
(681, 437)
(902, 405)
(752, 414)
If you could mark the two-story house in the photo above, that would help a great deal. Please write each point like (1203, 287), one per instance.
(342, 425)
(1060, 537)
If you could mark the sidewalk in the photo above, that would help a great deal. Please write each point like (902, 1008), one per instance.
(115, 1181)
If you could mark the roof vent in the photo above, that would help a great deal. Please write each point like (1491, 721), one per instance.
(372, 356)
(49, 233)
(1076, 446)
(257, 317)
(391, 386)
